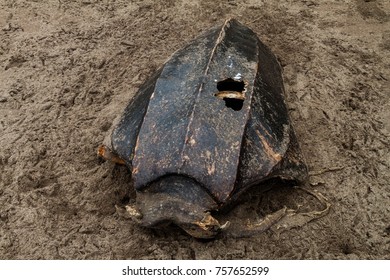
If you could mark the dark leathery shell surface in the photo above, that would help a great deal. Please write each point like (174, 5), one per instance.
(199, 135)
(177, 125)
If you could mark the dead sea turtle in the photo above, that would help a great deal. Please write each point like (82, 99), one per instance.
(208, 125)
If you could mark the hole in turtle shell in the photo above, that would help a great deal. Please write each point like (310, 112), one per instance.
(231, 85)
(233, 103)
(232, 92)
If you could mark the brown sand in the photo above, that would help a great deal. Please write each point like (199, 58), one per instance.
(67, 68)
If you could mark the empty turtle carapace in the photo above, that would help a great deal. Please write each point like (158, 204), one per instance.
(208, 125)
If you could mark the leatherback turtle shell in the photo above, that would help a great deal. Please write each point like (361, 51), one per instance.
(214, 112)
